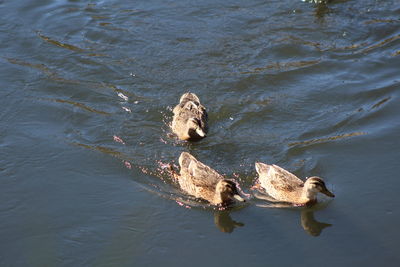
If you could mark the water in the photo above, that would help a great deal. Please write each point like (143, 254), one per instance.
(86, 95)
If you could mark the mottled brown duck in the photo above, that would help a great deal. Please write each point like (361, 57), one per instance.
(201, 181)
(190, 118)
(284, 186)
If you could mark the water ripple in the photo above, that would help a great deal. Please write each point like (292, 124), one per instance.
(326, 139)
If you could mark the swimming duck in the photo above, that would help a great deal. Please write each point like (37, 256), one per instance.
(284, 186)
(190, 118)
(200, 181)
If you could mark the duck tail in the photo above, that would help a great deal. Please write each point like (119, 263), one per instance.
(185, 159)
(262, 167)
(173, 172)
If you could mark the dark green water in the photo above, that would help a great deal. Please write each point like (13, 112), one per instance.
(313, 88)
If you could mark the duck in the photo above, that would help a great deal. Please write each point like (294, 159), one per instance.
(284, 186)
(190, 118)
(203, 182)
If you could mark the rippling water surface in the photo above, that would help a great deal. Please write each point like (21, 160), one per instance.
(87, 89)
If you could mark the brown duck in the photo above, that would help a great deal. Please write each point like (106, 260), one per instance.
(190, 118)
(200, 181)
(284, 186)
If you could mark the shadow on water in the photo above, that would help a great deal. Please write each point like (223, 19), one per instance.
(224, 222)
(307, 220)
(310, 224)
(322, 7)
(321, 10)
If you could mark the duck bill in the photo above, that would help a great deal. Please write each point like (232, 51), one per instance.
(327, 192)
(239, 198)
(200, 132)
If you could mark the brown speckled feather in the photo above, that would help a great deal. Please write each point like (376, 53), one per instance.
(284, 186)
(200, 174)
(188, 109)
(197, 178)
(279, 183)
(201, 181)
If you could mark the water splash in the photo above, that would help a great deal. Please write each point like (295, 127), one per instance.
(124, 97)
(127, 109)
(127, 164)
(118, 139)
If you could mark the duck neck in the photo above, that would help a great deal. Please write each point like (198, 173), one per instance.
(218, 198)
(221, 199)
(309, 196)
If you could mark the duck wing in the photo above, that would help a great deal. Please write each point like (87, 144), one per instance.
(189, 110)
(200, 174)
(194, 109)
(278, 178)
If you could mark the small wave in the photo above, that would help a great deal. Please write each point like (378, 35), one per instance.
(326, 139)
(284, 66)
(381, 43)
(60, 44)
(41, 67)
(372, 21)
(80, 105)
(381, 102)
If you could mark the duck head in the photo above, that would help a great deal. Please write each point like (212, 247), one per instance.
(226, 191)
(315, 185)
(194, 129)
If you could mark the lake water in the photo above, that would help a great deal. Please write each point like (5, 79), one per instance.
(87, 89)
